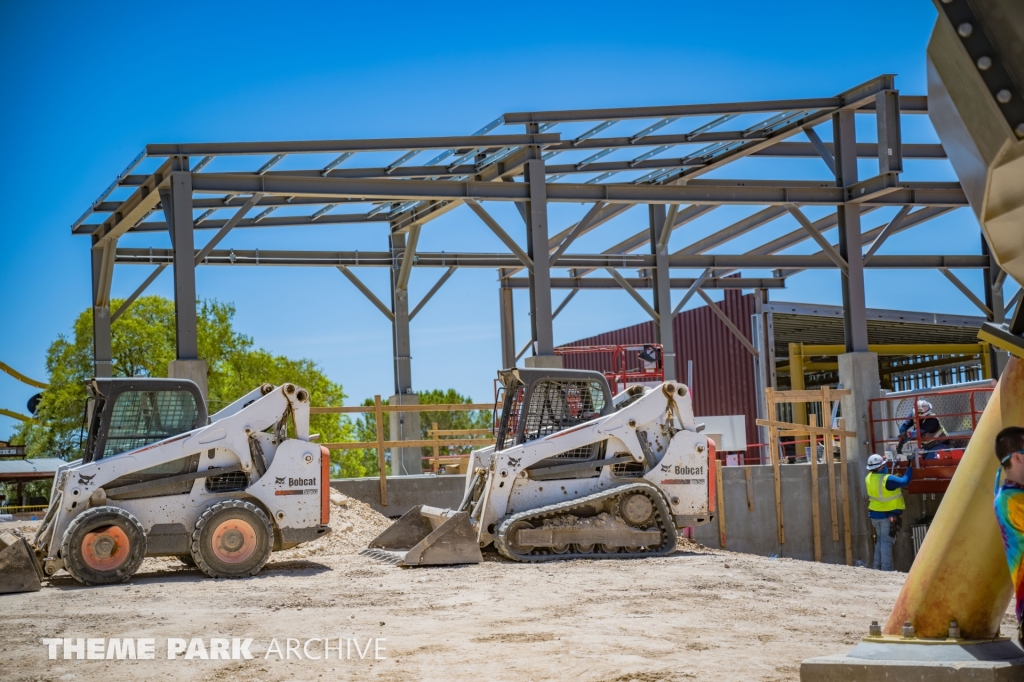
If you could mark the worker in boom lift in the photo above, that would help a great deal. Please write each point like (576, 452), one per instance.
(1009, 504)
(885, 507)
(933, 435)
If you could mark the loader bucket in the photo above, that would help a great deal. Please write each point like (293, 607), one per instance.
(19, 571)
(428, 536)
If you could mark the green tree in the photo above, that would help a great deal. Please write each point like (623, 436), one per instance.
(143, 344)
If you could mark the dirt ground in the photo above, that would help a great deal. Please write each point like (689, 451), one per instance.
(697, 614)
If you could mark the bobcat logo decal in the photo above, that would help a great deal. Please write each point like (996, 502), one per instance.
(85, 480)
(666, 467)
(514, 461)
(279, 481)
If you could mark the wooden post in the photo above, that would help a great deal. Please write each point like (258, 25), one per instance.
(815, 511)
(379, 412)
(826, 415)
(750, 489)
(845, 483)
(437, 452)
(721, 506)
(773, 450)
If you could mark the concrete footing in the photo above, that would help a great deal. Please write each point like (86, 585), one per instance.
(544, 361)
(956, 661)
(190, 369)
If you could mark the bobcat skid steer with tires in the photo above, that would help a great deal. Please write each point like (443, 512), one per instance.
(160, 478)
(574, 473)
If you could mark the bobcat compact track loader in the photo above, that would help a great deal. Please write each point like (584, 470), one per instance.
(160, 478)
(574, 473)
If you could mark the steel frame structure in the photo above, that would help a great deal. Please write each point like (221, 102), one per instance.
(648, 166)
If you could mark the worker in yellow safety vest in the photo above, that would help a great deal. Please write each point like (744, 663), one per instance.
(885, 507)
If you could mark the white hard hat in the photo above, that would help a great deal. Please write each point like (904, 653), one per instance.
(924, 407)
(875, 462)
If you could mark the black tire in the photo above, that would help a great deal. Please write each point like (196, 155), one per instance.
(246, 518)
(94, 550)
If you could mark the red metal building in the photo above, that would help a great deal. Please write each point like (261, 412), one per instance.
(723, 369)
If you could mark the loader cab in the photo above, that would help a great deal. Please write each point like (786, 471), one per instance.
(127, 413)
(539, 402)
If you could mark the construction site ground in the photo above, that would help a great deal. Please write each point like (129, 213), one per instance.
(696, 614)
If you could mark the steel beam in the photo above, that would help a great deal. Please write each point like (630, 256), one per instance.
(966, 291)
(178, 211)
(342, 146)
(710, 192)
(579, 228)
(256, 257)
(695, 285)
(565, 301)
(537, 246)
(855, 325)
(890, 228)
(659, 228)
(134, 209)
(677, 283)
(628, 288)
(401, 344)
(227, 226)
(102, 350)
(433, 290)
(500, 233)
(728, 323)
(825, 245)
(508, 326)
(370, 296)
(138, 292)
(851, 98)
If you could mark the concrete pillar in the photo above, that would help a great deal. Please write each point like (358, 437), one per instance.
(405, 426)
(662, 289)
(101, 339)
(858, 372)
(508, 327)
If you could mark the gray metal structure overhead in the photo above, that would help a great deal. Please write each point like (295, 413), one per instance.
(656, 159)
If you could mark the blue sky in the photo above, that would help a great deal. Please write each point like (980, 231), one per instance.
(85, 87)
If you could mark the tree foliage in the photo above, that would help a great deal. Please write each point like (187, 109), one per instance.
(143, 343)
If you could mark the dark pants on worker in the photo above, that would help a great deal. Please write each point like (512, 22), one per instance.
(883, 544)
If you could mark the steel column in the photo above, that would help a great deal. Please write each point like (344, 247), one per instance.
(662, 288)
(537, 249)
(994, 277)
(400, 322)
(178, 209)
(855, 324)
(508, 327)
(404, 425)
(101, 342)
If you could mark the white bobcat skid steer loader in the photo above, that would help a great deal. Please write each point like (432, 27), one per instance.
(159, 478)
(574, 473)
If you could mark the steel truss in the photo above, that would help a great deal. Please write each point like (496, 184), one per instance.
(655, 159)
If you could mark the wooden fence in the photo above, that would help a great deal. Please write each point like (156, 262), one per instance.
(380, 444)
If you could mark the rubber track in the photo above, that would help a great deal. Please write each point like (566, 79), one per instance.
(670, 537)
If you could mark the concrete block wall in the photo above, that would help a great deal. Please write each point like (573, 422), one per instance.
(754, 531)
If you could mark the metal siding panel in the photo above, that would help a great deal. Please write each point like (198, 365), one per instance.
(723, 369)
